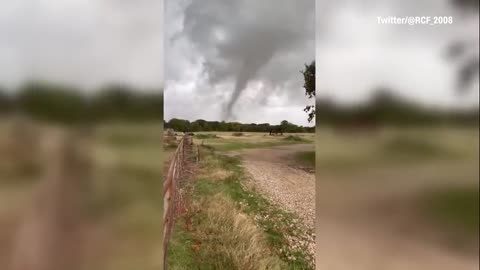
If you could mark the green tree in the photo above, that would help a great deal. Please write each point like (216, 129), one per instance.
(113, 102)
(6, 101)
(309, 86)
(179, 124)
(194, 127)
(465, 51)
(53, 102)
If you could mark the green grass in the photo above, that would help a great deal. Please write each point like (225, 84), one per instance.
(294, 138)
(412, 148)
(457, 209)
(180, 254)
(393, 148)
(231, 145)
(307, 157)
(276, 225)
(125, 194)
(222, 141)
(121, 186)
(206, 136)
(116, 135)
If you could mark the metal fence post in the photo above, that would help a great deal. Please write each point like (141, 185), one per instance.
(175, 171)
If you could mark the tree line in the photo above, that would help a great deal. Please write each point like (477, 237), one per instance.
(387, 109)
(183, 125)
(66, 104)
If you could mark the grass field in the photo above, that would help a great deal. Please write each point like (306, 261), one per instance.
(227, 141)
(428, 176)
(394, 147)
(129, 175)
(123, 205)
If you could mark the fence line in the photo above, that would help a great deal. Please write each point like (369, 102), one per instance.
(171, 195)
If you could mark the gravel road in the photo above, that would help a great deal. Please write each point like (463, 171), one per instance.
(276, 174)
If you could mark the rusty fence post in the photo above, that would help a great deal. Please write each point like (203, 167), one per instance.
(170, 192)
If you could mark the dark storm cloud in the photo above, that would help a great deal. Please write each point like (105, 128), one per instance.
(241, 37)
(243, 43)
(86, 43)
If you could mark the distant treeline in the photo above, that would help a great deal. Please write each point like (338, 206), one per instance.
(66, 104)
(387, 109)
(203, 125)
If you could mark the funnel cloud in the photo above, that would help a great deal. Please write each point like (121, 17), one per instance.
(244, 56)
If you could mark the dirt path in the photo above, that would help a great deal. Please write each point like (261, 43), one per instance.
(276, 174)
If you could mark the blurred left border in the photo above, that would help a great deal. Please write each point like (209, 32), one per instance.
(81, 127)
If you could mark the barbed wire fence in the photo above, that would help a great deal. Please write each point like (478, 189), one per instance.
(174, 198)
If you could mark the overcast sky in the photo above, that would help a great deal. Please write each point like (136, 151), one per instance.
(355, 54)
(238, 60)
(87, 43)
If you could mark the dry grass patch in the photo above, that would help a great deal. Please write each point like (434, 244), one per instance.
(243, 245)
(219, 175)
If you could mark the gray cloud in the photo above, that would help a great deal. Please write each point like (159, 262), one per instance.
(247, 53)
(86, 43)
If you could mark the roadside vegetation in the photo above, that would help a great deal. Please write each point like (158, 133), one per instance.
(232, 225)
